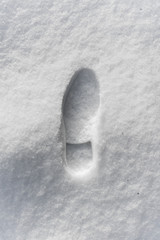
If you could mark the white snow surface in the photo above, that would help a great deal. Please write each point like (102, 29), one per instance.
(43, 43)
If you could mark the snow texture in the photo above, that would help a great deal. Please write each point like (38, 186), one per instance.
(43, 44)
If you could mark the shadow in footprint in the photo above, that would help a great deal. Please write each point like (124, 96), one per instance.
(80, 104)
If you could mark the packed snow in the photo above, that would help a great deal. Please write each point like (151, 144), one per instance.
(43, 44)
(79, 117)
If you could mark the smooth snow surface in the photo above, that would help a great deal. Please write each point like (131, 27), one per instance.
(43, 44)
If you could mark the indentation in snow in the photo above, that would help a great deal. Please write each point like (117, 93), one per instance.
(80, 105)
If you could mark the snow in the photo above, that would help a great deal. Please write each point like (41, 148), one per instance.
(43, 44)
(80, 107)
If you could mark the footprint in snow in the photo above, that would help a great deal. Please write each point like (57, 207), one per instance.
(79, 109)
